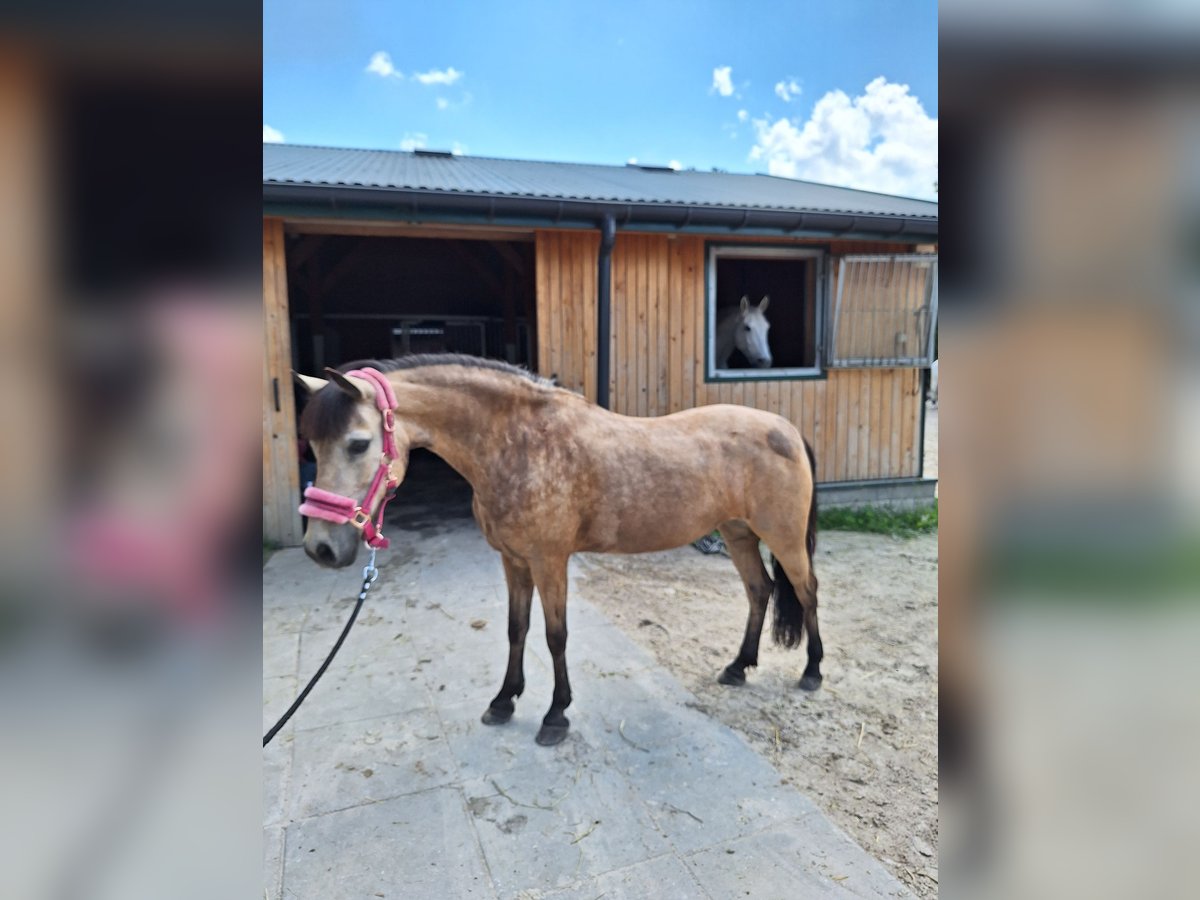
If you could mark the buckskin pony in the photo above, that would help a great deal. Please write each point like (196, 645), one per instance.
(554, 474)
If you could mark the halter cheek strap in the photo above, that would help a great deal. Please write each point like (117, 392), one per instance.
(340, 510)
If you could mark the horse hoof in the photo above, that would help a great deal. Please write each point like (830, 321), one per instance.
(810, 682)
(549, 735)
(732, 677)
(496, 716)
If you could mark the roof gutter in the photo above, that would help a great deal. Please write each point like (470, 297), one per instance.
(416, 205)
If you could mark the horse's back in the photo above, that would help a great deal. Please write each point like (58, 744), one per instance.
(662, 482)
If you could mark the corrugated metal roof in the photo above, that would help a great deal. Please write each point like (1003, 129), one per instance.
(291, 164)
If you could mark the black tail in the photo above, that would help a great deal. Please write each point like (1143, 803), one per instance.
(810, 539)
(789, 615)
(788, 627)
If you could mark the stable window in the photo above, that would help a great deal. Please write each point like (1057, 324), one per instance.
(884, 311)
(778, 340)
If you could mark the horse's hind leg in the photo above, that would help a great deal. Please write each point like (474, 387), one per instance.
(743, 549)
(520, 595)
(796, 606)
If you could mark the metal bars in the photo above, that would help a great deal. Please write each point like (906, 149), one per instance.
(884, 311)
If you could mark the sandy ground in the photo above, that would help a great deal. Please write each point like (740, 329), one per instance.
(863, 747)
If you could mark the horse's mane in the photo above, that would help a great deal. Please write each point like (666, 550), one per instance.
(327, 413)
(422, 360)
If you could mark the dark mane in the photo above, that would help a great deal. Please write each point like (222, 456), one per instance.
(328, 411)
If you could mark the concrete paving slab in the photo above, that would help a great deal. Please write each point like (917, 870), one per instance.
(662, 878)
(703, 788)
(369, 760)
(281, 653)
(382, 687)
(545, 826)
(417, 846)
(792, 859)
(273, 863)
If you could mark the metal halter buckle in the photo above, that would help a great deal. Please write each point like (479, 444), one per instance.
(360, 519)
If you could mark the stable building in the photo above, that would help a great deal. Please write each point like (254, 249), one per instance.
(612, 279)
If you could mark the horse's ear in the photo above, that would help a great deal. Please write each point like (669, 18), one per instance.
(745, 303)
(310, 384)
(762, 307)
(358, 388)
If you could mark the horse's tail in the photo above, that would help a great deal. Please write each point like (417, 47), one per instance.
(788, 627)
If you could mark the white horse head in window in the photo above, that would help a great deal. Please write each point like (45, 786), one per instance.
(744, 327)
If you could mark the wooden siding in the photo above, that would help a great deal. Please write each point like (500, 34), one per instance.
(862, 423)
(281, 474)
(566, 308)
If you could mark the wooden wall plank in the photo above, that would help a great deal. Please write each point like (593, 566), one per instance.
(808, 403)
(643, 326)
(833, 438)
(910, 426)
(588, 286)
(662, 298)
(853, 407)
(281, 470)
(675, 326)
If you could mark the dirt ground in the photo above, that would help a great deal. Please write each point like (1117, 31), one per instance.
(864, 746)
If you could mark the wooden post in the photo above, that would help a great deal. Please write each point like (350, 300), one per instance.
(281, 470)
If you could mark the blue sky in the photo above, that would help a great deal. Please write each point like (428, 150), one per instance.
(614, 81)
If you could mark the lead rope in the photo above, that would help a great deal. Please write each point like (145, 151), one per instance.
(370, 576)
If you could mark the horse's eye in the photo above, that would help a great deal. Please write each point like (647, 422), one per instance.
(356, 447)
(747, 327)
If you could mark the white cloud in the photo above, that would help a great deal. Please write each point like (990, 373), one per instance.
(458, 149)
(271, 135)
(381, 64)
(788, 90)
(632, 161)
(443, 103)
(414, 140)
(675, 164)
(722, 81)
(743, 115)
(436, 76)
(882, 140)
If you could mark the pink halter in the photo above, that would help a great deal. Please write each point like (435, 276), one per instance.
(319, 504)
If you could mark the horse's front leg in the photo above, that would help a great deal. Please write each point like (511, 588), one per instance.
(551, 579)
(520, 595)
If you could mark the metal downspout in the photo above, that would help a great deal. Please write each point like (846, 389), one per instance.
(608, 233)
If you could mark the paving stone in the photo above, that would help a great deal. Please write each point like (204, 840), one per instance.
(280, 654)
(708, 786)
(373, 638)
(276, 776)
(293, 584)
(277, 695)
(273, 863)
(778, 864)
(560, 823)
(417, 846)
(827, 849)
(349, 692)
(369, 760)
(663, 878)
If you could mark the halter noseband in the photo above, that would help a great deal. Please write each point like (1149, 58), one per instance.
(340, 510)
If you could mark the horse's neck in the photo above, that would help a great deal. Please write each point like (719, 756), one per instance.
(456, 420)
